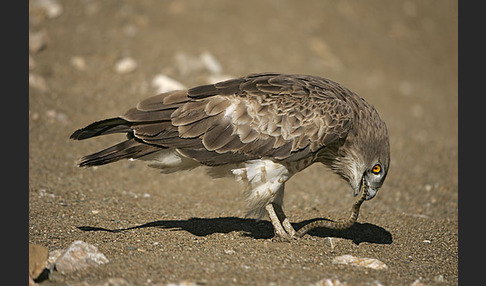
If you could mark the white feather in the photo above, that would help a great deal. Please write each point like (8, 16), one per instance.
(264, 180)
(170, 161)
(230, 109)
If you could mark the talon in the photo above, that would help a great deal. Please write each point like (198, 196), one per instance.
(281, 225)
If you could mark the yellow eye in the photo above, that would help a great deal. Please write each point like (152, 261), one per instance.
(376, 169)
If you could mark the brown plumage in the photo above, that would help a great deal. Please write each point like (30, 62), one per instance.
(279, 122)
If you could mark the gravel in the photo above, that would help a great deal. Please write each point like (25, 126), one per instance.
(90, 60)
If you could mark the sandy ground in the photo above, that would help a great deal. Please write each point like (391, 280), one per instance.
(400, 56)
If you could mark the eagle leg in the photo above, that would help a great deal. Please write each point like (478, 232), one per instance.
(281, 224)
(285, 221)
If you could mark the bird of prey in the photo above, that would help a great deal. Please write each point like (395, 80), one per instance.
(262, 129)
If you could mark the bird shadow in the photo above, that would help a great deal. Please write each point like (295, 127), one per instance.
(258, 229)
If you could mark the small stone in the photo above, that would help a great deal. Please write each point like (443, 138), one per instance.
(360, 261)
(37, 82)
(43, 193)
(37, 41)
(439, 278)
(79, 255)
(115, 281)
(79, 63)
(183, 283)
(187, 64)
(229, 251)
(126, 65)
(163, 83)
(112, 281)
(54, 115)
(34, 115)
(417, 283)
(329, 282)
(38, 255)
(53, 256)
(210, 62)
(52, 8)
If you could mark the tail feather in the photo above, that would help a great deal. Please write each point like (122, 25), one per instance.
(103, 127)
(129, 149)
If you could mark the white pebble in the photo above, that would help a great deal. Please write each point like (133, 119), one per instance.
(210, 62)
(37, 82)
(187, 64)
(417, 282)
(439, 278)
(229, 251)
(126, 65)
(44, 193)
(37, 41)
(329, 282)
(54, 115)
(183, 283)
(79, 255)
(78, 62)
(360, 261)
(163, 83)
(52, 8)
(53, 256)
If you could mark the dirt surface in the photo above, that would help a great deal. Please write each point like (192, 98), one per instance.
(401, 56)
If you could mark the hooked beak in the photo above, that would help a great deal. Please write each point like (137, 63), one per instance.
(371, 194)
(371, 191)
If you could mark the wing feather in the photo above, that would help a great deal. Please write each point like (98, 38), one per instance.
(166, 100)
(218, 135)
(196, 129)
(271, 115)
(262, 115)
